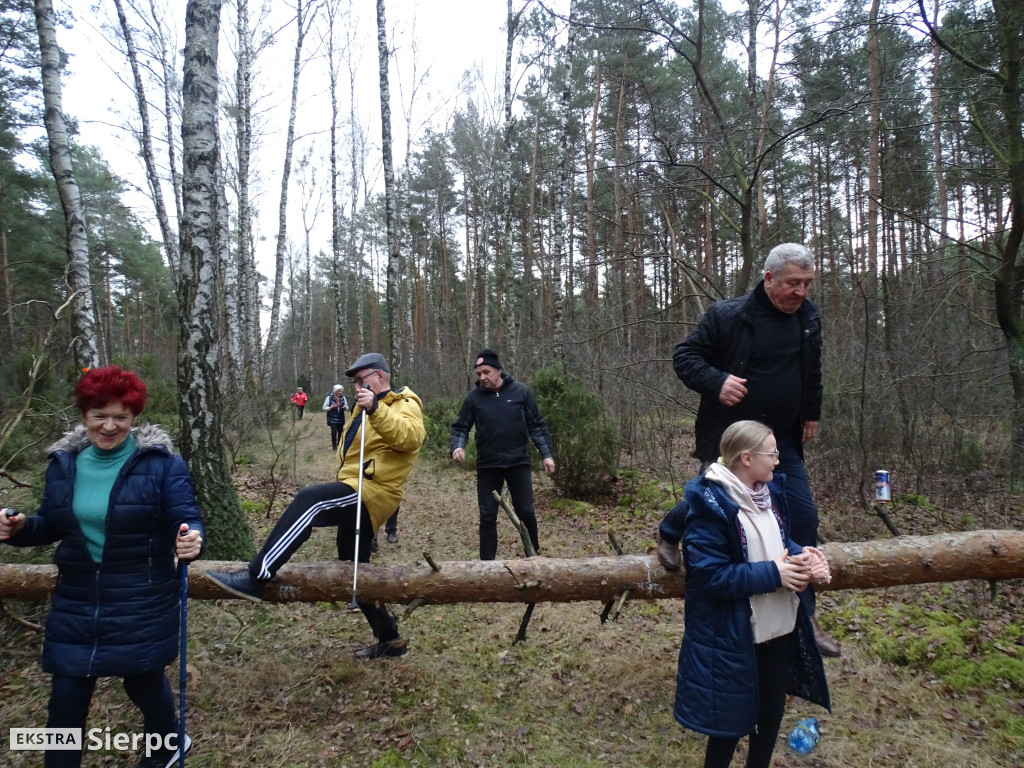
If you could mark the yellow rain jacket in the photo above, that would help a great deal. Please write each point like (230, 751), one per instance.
(393, 442)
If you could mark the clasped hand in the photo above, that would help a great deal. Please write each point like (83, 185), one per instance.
(794, 571)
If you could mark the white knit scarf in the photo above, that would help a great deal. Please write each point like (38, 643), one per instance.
(772, 614)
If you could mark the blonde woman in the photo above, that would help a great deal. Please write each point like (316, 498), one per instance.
(747, 640)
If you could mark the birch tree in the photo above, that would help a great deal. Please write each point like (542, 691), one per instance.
(170, 237)
(201, 441)
(504, 273)
(83, 319)
(249, 302)
(561, 185)
(396, 344)
(305, 13)
(338, 352)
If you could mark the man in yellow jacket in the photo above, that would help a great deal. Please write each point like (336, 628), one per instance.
(393, 420)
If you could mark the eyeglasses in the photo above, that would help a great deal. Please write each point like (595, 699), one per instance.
(363, 378)
(774, 454)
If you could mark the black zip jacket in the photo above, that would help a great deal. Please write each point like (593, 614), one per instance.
(506, 421)
(721, 344)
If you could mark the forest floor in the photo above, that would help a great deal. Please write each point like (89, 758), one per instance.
(277, 685)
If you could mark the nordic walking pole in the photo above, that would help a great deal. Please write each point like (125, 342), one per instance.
(359, 507)
(183, 672)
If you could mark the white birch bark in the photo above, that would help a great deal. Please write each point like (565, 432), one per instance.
(337, 353)
(172, 105)
(357, 157)
(559, 203)
(394, 267)
(201, 438)
(507, 309)
(248, 284)
(305, 11)
(167, 232)
(83, 318)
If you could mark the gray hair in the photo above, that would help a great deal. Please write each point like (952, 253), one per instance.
(798, 255)
(742, 436)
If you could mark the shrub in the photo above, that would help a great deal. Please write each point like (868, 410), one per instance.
(438, 416)
(585, 437)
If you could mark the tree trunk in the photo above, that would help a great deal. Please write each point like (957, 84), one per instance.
(590, 298)
(168, 234)
(507, 337)
(337, 353)
(394, 309)
(558, 207)
(249, 292)
(874, 51)
(357, 158)
(83, 318)
(201, 441)
(988, 555)
(304, 13)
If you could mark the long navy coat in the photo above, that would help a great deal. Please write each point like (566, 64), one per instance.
(716, 685)
(119, 616)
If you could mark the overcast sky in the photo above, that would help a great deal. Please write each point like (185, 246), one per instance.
(450, 37)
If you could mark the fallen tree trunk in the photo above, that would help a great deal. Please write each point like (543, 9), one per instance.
(988, 555)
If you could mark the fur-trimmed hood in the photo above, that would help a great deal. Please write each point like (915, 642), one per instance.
(146, 436)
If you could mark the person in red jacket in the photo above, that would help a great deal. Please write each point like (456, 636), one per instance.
(299, 398)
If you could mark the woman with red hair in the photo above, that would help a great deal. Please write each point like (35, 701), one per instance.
(122, 506)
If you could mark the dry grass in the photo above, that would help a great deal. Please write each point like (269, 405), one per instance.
(277, 685)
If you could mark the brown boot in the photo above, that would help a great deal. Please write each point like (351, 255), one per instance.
(668, 554)
(827, 645)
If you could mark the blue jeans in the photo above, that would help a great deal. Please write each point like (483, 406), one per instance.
(803, 514)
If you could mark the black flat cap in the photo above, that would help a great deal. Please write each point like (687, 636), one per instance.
(373, 360)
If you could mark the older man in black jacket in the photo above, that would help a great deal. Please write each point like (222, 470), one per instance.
(759, 357)
(506, 418)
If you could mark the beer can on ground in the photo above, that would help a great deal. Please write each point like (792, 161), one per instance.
(883, 493)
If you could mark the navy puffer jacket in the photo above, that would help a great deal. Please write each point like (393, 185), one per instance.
(118, 617)
(716, 685)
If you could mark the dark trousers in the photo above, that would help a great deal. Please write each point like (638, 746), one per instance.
(69, 706)
(772, 674)
(520, 488)
(391, 525)
(320, 506)
(336, 434)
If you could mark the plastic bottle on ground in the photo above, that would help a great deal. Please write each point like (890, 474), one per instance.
(804, 736)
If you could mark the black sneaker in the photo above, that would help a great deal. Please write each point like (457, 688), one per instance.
(396, 647)
(239, 583)
(164, 758)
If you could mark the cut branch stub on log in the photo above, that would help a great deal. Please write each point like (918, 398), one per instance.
(988, 555)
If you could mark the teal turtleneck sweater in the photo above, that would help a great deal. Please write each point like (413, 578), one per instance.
(95, 473)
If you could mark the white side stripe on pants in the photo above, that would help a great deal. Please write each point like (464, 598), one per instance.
(305, 520)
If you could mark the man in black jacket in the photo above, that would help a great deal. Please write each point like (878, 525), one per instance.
(506, 418)
(759, 357)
